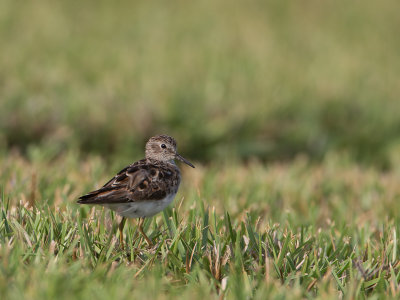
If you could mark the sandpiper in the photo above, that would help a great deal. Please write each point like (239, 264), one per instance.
(143, 188)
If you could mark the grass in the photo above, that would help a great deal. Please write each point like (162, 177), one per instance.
(265, 79)
(294, 230)
(289, 108)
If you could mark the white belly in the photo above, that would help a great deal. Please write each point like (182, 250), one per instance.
(141, 209)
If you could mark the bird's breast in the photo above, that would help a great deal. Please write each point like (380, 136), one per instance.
(141, 209)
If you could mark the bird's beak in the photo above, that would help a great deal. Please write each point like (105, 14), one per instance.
(178, 156)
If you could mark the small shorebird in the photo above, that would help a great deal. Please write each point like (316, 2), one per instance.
(143, 188)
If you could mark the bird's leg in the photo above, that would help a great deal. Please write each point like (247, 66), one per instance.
(140, 227)
(121, 235)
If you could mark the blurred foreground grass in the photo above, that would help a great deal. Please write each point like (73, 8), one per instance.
(240, 232)
(270, 79)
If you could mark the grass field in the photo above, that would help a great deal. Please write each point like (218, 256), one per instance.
(265, 79)
(289, 110)
(282, 231)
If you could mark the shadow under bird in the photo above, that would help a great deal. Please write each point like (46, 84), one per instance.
(143, 188)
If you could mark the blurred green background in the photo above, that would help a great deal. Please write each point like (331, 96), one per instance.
(229, 80)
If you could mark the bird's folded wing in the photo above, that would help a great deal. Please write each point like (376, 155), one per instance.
(134, 183)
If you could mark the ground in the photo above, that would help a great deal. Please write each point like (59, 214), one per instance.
(278, 230)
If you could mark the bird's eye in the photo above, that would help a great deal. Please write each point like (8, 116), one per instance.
(163, 146)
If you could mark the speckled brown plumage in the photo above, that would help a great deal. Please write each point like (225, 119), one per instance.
(145, 187)
(144, 180)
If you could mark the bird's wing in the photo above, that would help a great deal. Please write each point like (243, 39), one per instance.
(137, 182)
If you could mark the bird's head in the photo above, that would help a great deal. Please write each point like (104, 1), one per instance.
(163, 148)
